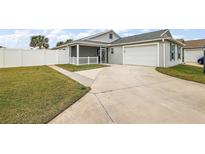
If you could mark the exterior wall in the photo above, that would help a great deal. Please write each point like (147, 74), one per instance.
(161, 54)
(27, 57)
(105, 38)
(170, 63)
(192, 55)
(117, 56)
(86, 51)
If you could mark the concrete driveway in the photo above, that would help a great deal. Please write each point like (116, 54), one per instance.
(134, 94)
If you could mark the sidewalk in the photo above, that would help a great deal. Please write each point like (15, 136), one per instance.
(77, 77)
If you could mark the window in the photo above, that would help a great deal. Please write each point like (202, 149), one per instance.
(112, 51)
(178, 52)
(110, 36)
(172, 51)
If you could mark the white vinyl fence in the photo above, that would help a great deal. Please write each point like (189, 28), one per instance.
(32, 57)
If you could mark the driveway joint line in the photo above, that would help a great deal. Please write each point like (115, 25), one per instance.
(108, 115)
(107, 91)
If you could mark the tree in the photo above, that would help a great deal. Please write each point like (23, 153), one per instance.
(68, 41)
(39, 41)
(59, 43)
(62, 43)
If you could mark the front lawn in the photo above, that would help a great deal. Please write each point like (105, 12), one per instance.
(191, 73)
(35, 94)
(74, 68)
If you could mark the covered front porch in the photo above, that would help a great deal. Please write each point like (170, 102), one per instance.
(84, 54)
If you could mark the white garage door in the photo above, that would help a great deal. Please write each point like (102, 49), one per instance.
(192, 55)
(141, 55)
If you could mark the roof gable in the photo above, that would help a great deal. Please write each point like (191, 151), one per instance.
(106, 37)
(100, 34)
(166, 34)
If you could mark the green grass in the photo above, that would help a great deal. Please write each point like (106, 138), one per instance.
(35, 94)
(74, 68)
(191, 73)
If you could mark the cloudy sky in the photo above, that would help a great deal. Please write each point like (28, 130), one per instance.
(20, 38)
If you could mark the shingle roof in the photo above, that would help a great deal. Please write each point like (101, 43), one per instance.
(143, 37)
(195, 43)
(160, 34)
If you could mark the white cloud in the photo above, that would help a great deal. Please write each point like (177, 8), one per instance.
(145, 30)
(88, 33)
(61, 35)
(21, 38)
(127, 34)
(16, 39)
(119, 31)
(177, 36)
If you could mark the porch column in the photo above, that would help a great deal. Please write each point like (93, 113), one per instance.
(69, 54)
(100, 55)
(77, 54)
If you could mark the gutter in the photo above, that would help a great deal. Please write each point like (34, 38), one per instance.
(135, 42)
(151, 40)
(175, 41)
(194, 48)
(82, 43)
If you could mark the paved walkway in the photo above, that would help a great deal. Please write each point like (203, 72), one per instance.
(75, 76)
(134, 94)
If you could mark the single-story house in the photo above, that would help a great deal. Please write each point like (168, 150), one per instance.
(158, 49)
(193, 50)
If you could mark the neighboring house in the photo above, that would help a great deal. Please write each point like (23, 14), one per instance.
(193, 50)
(156, 49)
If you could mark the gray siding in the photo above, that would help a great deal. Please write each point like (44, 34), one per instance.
(169, 62)
(105, 38)
(161, 55)
(117, 56)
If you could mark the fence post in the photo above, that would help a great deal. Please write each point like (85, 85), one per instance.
(57, 56)
(4, 58)
(88, 60)
(22, 57)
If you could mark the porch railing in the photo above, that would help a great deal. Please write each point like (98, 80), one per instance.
(84, 60)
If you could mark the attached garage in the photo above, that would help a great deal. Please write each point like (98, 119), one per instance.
(145, 55)
(193, 50)
(192, 55)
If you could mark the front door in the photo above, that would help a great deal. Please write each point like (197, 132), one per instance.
(103, 55)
